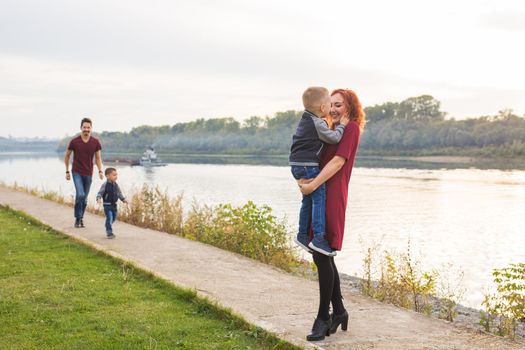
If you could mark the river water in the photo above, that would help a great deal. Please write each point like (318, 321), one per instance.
(467, 219)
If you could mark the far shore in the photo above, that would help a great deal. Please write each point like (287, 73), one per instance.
(443, 159)
(363, 160)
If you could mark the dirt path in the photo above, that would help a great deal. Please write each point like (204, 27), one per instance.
(272, 299)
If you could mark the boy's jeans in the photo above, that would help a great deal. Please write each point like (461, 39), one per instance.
(313, 206)
(111, 215)
(82, 186)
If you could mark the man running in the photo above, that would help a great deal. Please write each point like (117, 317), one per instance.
(84, 147)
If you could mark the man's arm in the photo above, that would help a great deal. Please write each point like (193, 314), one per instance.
(98, 160)
(329, 170)
(66, 161)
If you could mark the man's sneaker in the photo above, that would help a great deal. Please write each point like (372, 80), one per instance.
(81, 223)
(111, 236)
(302, 241)
(320, 244)
(77, 223)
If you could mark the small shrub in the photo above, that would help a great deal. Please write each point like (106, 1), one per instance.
(248, 230)
(450, 291)
(505, 308)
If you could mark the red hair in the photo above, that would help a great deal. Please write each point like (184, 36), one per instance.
(353, 106)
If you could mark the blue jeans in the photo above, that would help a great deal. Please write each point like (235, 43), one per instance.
(82, 186)
(111, 216)
(313, 207)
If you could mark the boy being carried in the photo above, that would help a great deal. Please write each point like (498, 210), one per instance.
(304, 159)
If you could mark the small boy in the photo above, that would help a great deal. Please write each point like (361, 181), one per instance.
(108, 195)
(304, 159)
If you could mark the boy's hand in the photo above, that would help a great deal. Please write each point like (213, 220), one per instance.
(99, 201)
(68, 176)
(344, 120)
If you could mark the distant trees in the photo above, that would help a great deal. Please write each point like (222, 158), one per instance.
(410, 127)
(424, 107)
(28, 145)
(418, 126)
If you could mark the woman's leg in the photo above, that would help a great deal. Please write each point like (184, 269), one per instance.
(337, 298)
(326, 284)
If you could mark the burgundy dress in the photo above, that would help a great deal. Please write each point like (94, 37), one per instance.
(337, 185)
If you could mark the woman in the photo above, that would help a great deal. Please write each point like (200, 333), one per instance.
(336, 163)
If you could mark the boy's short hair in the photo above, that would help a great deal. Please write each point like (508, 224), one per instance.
(109, 171)
(314, 96)
(86, 120)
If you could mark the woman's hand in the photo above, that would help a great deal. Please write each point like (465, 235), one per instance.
(304, 181)
(306, 188)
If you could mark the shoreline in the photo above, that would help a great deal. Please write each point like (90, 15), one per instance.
(443, 159)
(467, 316)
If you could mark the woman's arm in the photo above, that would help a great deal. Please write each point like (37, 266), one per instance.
(329, 170)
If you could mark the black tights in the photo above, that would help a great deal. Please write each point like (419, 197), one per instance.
(329, 286)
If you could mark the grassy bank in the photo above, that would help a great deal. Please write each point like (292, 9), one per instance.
(57, 293)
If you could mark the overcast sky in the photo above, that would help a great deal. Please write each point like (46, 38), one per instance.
(129, 63)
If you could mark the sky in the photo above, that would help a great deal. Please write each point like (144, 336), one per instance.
(130, 63)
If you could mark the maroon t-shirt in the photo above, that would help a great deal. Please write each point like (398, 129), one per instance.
(83, 153)
(337, 185)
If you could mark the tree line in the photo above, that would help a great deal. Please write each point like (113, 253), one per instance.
(27, 145)
(415, 126)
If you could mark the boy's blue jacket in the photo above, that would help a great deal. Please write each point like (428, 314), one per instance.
(307, 142)
(110, 193)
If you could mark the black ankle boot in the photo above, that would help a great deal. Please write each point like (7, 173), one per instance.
(320, 329)
(341, 319)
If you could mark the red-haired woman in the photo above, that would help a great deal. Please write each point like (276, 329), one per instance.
(336, 163)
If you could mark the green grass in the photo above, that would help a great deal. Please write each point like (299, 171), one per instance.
(56, 293)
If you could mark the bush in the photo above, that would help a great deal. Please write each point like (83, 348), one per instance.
(248, 230)
(505, 308)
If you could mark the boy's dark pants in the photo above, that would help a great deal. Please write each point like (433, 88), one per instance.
(111, 215)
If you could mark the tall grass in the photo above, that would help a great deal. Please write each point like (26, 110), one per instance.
(398, 279)
(151, 208)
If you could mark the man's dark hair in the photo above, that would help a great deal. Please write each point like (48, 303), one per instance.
(109, 171)
(86, 120)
